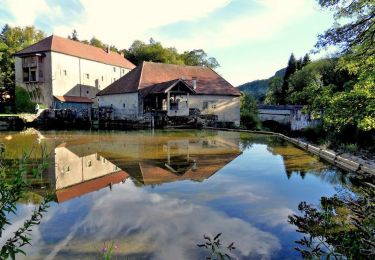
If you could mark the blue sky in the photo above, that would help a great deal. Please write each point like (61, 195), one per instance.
(251, 39)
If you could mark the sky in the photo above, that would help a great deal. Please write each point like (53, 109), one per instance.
(251, 39)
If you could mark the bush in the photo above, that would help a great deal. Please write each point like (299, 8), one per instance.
(23, 101)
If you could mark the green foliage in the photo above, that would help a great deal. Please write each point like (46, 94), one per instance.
(107, 250)
(215, 249)
(154, 51)
(290, 69)
(342, 227)
(249, 108)
(354, 108)
(13, 186)
(274, 93)
(13, 39)
(23, 102)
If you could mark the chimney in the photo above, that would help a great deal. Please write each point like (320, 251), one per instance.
(194, 82)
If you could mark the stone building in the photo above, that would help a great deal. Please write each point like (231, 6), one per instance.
(57, 68)
(174, 90)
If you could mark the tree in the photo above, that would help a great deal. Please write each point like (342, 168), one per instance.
(199, 58)
(290, 69)
(306, 60)
(154, 51)
(74, 36)
(354, 35)
(13, 39)
(274, 93)
(249, 111)
(359, 29)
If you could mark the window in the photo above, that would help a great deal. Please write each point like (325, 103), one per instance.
(123, 105)
(123, 71)
(102, 78)
(209, 105)
(32, 75)
(65, 73)
(114, 69)
(87, 76)
(29, 75)
(114, 79)
(66, 168)
(87, 92)
(89, 164)
(25, 74)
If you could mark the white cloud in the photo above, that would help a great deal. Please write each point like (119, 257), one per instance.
(121, 22)
(271, 17)
(170, 227)
(25, 11)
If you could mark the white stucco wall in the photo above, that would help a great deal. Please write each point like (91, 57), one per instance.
(281, 116)
(227, 108)
(70, 169)
(65, 75)
(73, 76)
(117, 102)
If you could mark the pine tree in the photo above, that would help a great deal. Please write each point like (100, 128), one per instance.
(290, 69)
(306, 60)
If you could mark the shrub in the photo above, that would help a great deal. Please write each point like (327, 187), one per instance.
(23, 101)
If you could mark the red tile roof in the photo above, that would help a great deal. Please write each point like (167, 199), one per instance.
(73, 99)
(62, 45)
(90, 186)
(149, 73)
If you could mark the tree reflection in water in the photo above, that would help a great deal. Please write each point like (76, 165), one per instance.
(343, 226)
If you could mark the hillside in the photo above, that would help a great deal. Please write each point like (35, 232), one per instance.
(259, 88)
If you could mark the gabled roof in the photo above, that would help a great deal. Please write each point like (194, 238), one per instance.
(164, 87)
(149, 73)
(62, 45)
(73, 99)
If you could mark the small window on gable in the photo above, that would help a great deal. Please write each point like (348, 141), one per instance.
(89, 164)
(87, 76)
(114, 69)
(65, 73)
(102, 78)
(123, 71)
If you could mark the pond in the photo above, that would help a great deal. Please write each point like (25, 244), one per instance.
(156, 193)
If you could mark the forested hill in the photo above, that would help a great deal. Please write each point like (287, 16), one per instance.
(259, 88)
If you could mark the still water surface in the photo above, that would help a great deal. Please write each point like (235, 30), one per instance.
(156, 193)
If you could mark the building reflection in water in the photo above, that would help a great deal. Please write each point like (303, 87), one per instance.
(84, 167)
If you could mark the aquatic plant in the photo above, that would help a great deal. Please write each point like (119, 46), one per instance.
(107, 250)
(342, 227)
(215, 249)
(13, 186)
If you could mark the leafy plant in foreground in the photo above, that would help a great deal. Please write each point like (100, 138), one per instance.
(343, 227)
(215, 249)
(14, 185)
